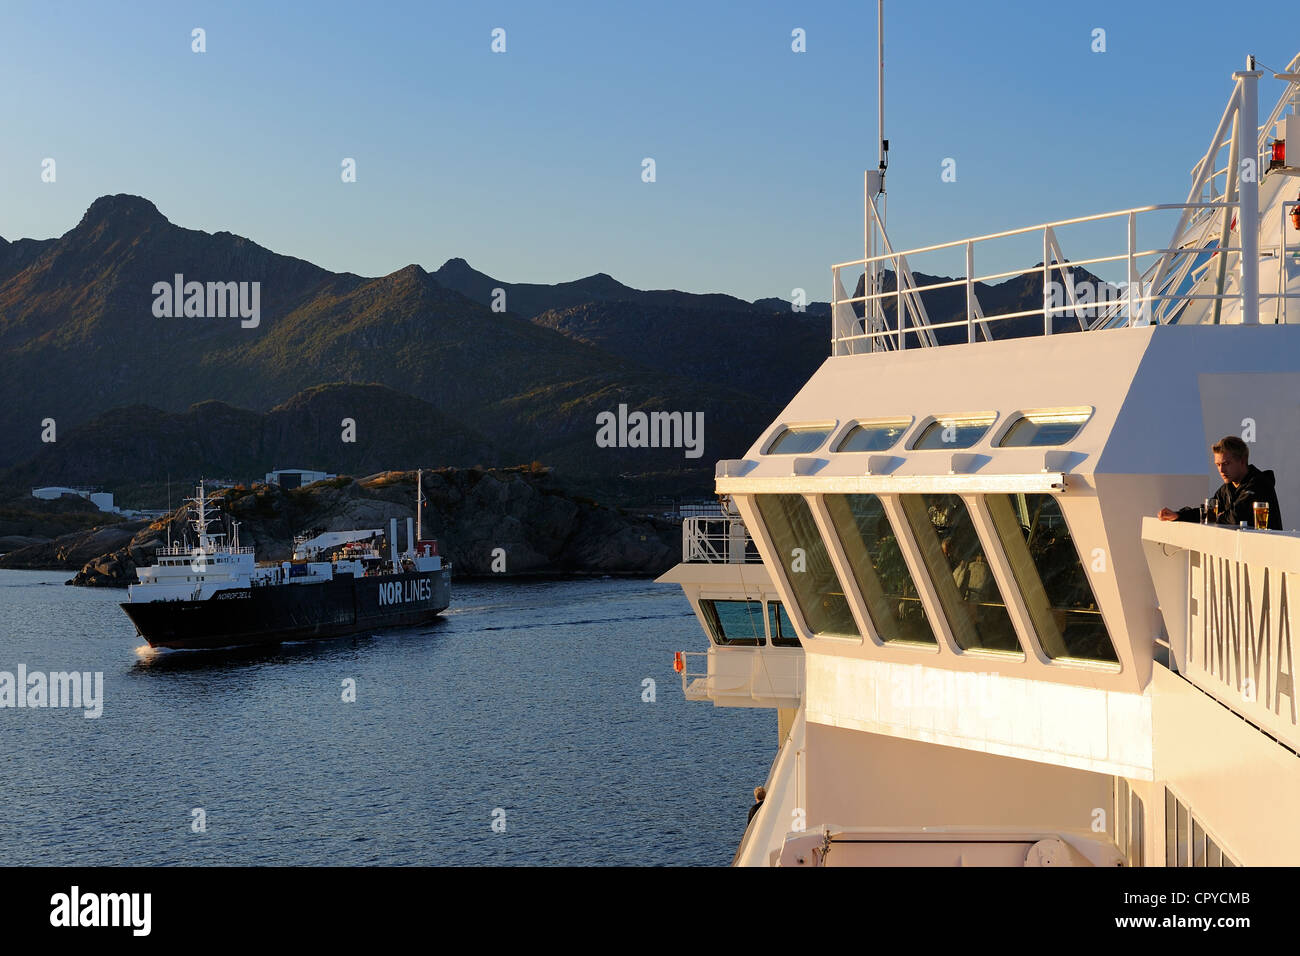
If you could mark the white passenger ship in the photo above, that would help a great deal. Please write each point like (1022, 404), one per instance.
(1006, 659)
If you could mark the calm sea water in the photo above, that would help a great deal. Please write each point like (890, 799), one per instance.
(526, 697)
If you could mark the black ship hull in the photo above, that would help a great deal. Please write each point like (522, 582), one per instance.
(272, 614)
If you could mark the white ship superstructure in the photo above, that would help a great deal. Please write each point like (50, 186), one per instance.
(1008, 660)
(184, 573)
(754, 657)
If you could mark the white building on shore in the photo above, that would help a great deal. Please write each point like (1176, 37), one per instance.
(290, 478)
(102, 500)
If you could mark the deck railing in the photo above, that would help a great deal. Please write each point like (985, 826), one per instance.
(1218, 229)
(181, 551)
(1160, 283)
(717, 540)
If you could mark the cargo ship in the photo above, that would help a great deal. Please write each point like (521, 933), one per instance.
(214, 594)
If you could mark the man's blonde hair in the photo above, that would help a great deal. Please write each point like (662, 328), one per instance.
(1234, 446)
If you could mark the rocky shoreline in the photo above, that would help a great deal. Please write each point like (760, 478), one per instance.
(489, 523)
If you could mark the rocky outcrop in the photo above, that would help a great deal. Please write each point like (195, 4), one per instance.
(488, 522)
(26, 521)
(14, 542)
(72, 551)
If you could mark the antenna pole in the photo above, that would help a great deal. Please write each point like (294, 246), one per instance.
(880, 82)
(419, 504)
(873, 274)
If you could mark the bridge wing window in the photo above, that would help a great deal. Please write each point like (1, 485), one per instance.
(954, 556)
(734, 622)
(882, 575)
(799, 440)
(783, 633)
(953, 433)
(873, 436)
(1051, 577)
(802, 553)
(1041, 429)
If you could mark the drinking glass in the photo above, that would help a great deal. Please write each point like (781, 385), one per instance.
(1261, 515)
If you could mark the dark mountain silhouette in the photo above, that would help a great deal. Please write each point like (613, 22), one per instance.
(78, 337)
(766, 354)
(425, 353)
(527, 299)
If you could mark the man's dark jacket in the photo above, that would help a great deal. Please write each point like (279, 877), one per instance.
(1236, 504)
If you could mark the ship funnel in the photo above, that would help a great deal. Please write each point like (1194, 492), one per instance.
(410, 536)
(392, 540)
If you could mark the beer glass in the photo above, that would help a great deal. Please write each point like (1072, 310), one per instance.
(1261, 515)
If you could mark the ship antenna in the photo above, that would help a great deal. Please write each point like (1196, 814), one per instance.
(873, 204)
(169, 511)
(880, 91)
(419, 504)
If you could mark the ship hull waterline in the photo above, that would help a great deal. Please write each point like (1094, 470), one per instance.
(274, 614)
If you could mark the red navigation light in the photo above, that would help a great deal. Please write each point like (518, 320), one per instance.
(679, 662)
(1279, 152)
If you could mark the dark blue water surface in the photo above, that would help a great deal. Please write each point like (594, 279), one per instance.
(526, 697)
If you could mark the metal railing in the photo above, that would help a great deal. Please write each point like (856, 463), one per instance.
(1159, 285)
(695, 683)
(757, 682)
(717, 540)
(181, 551)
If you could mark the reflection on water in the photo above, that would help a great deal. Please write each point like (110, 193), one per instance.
(525, 697)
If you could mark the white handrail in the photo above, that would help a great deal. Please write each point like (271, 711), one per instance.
(1159, 293)
(1140, 299)
(711, 539)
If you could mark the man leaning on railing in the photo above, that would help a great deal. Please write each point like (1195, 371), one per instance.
(1243, 486)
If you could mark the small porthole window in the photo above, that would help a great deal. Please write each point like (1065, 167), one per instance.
(958, 431)
(873, 436)
(1042, 429)
(800, 439)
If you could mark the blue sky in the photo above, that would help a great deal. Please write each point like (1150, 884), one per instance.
(528, 163)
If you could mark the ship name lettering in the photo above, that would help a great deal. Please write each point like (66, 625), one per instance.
(405, 592)
(1248, 649)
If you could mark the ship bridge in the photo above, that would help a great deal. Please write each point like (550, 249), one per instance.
(976, 510)
(754, 657)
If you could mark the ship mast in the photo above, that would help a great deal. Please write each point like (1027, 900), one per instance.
(419, 504)
(874, 193)
(201, 520)
(883, 146)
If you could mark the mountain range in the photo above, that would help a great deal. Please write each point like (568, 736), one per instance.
(425, 364)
